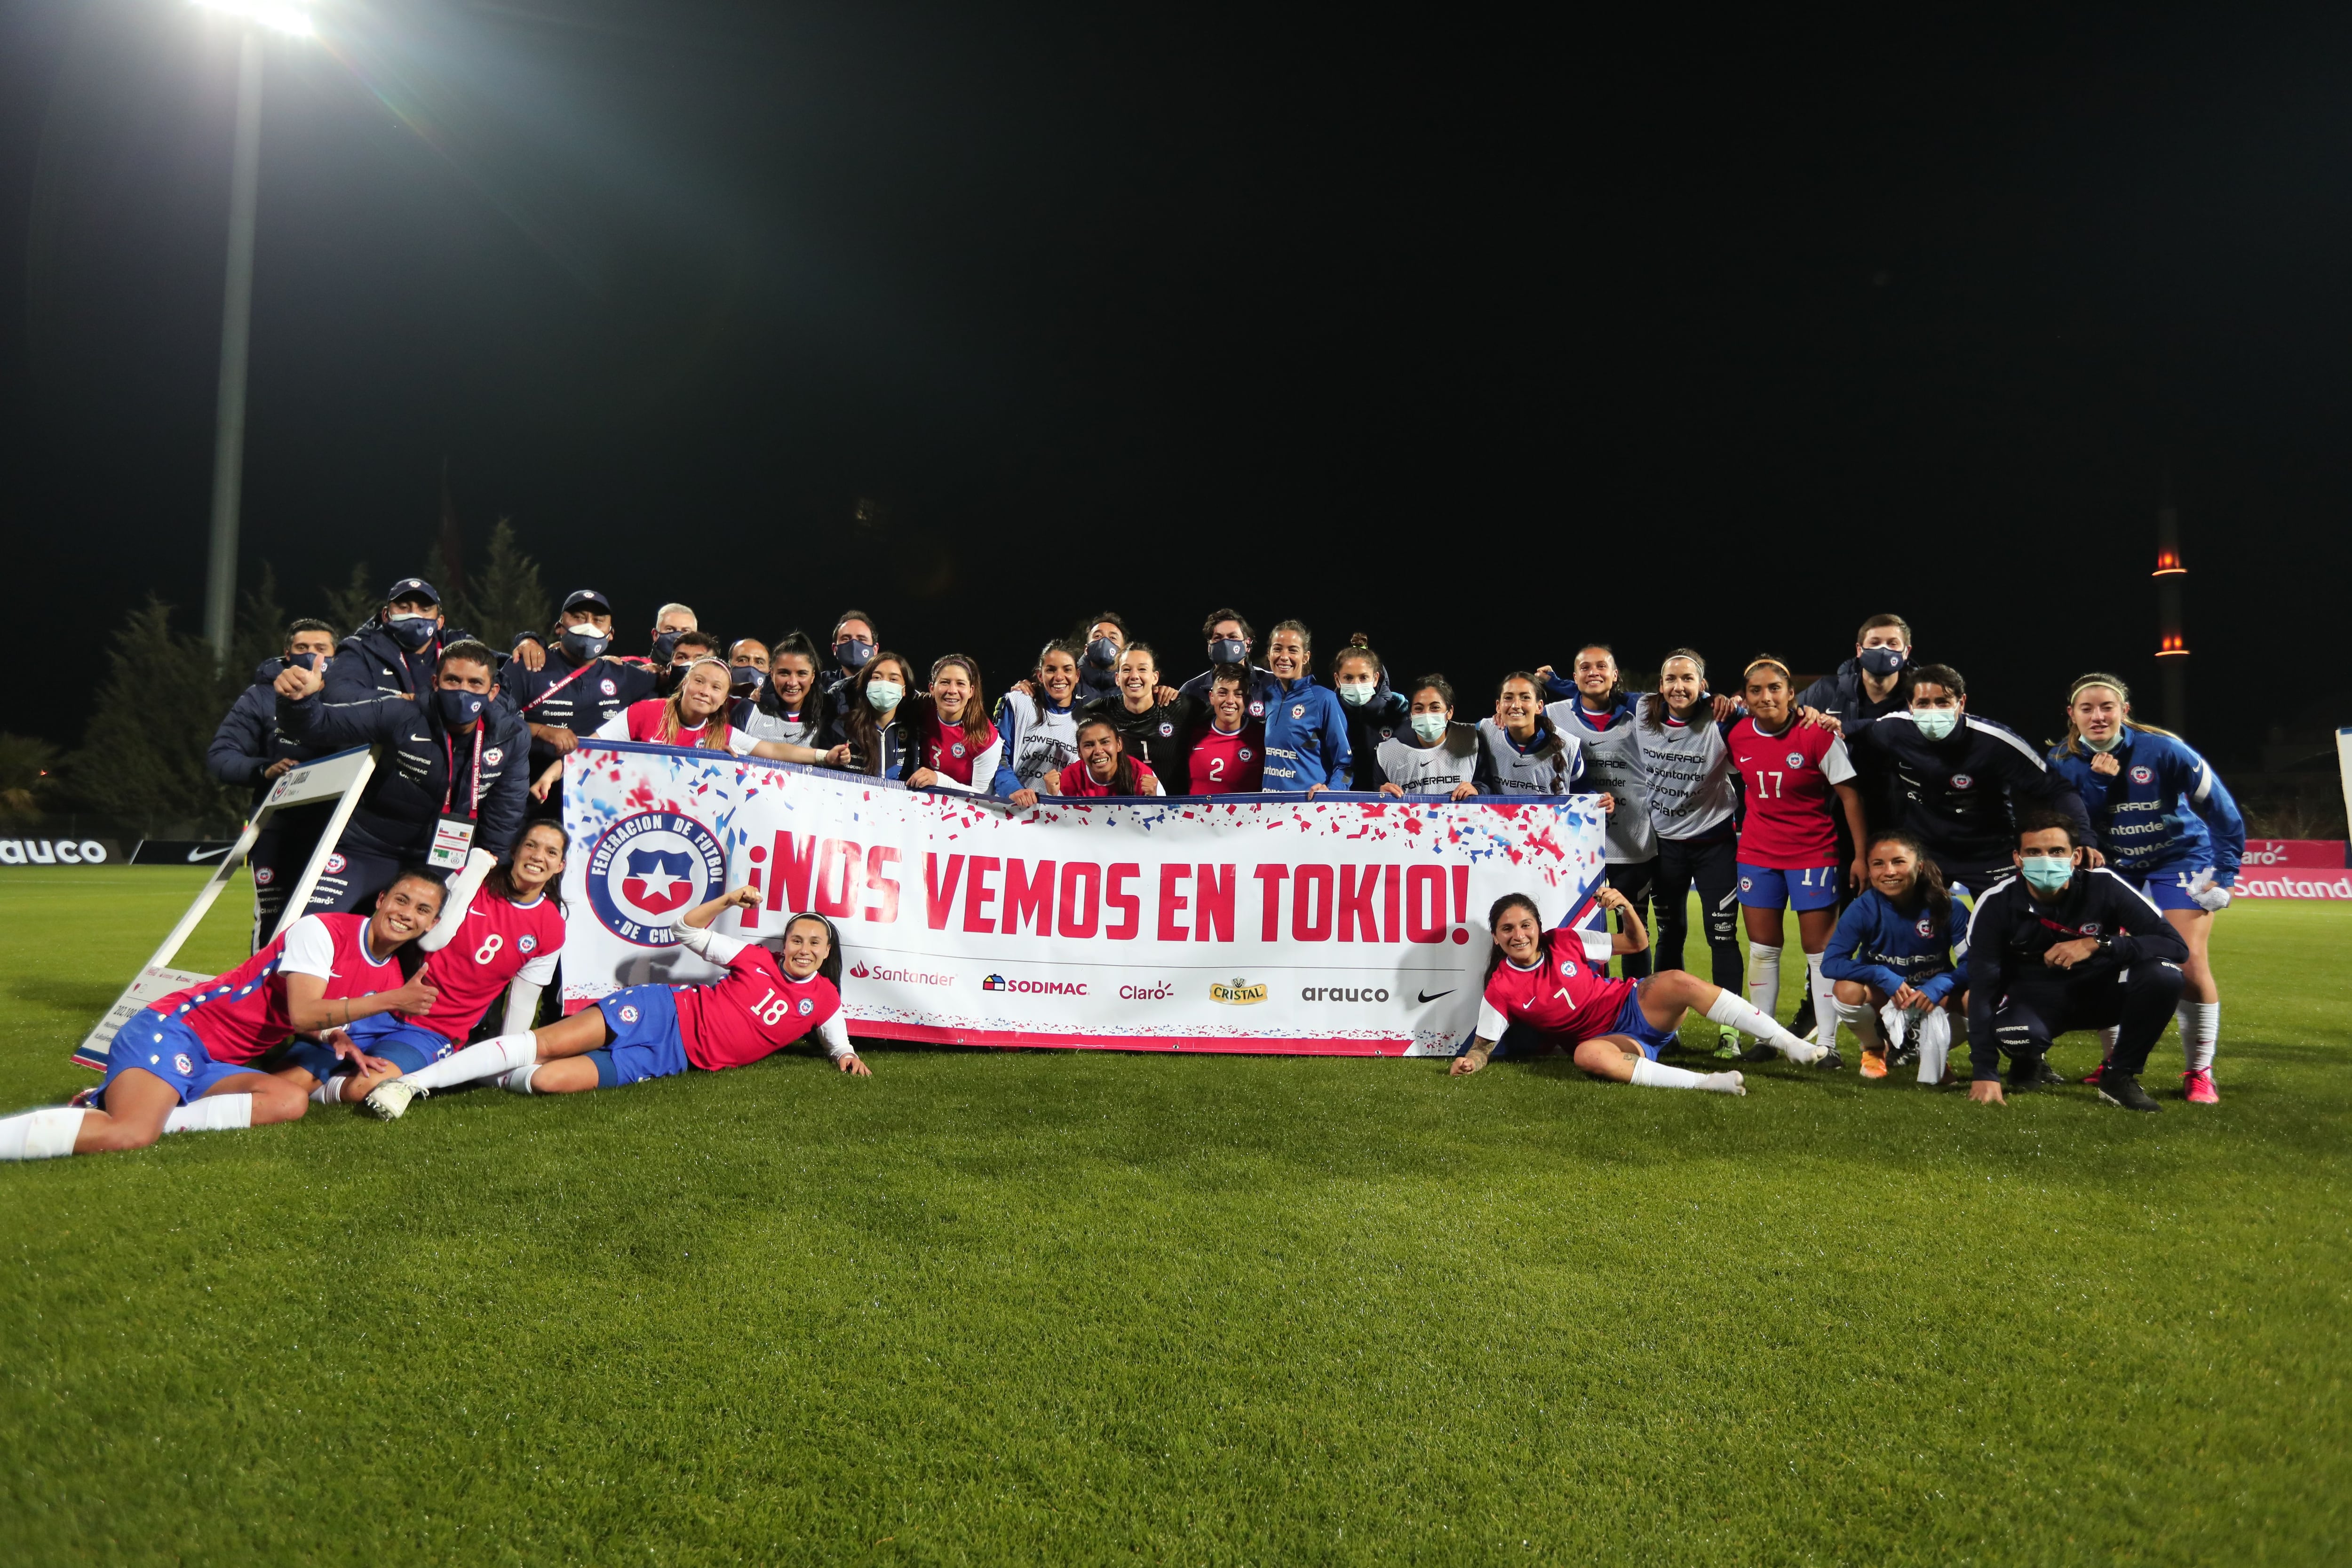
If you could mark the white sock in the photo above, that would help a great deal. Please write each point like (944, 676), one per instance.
(214, 1113)
(492, 1057)
(1934, 1044)
(2200, 1032)
(1763, 980)
(331, 1092)
(2107, 1042)
(1824, 991)
(518, 1080)
(43, 1135)
(1859, 1016)
(1729, 1009)
(1657, 1075)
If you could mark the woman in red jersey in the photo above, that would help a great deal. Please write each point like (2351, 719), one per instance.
(1555, 984)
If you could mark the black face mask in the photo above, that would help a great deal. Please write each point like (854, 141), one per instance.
(666, 677)
(1881, 661)
(1228, 650)
(412, 632)
(459, 709)
(581, 647)
(853, 653)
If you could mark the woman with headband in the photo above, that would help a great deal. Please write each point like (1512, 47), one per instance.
(2167, 825)
(1793, 775)
(693, 715)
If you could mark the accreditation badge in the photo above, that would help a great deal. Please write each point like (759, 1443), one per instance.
(452, 836)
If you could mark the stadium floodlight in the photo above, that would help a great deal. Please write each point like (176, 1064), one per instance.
(291, 17)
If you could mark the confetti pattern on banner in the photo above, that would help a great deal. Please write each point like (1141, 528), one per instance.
(1338, 925)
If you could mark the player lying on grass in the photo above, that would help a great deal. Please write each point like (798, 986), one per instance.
(203, 1059)
(658, 1031)
(499, 931)
(1892, 953)
(1547, 981)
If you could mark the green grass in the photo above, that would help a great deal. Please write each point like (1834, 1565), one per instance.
(993, 1307)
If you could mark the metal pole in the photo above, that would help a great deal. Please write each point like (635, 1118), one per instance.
(236, 331)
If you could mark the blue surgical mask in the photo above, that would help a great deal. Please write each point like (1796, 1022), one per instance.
(412, 632)
(1881, 661)
(1355, 693)
(1936, 723)
(1430, 727)
(883, 695)
(2045, 874)
(459, 709)
(584, 642)
(1102, 652)
(1228, 650)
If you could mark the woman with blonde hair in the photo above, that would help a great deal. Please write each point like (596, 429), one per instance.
(2167, 825)
(693, 715)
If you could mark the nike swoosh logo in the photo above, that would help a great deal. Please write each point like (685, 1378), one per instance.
(196, 854)
(1425, 996)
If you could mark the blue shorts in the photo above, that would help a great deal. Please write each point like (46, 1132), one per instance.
(406, 1045)
(1635, 1025)
(1766, 887)
(2166, 886)
(171, 1050)
(644, 1043)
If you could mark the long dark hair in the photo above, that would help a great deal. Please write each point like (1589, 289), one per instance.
(1927, 888)
(860, 727)
(1654, 704)
(830, 968)
(794, 642)
(1495, 918)
(502, 876)
(1122, 776)
(977, 730)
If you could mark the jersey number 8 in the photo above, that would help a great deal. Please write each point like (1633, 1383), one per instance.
(490, 948)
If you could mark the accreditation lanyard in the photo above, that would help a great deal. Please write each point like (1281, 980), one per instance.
(453, 834)
(561, 684)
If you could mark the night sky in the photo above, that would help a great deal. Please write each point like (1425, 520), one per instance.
(1485, 337)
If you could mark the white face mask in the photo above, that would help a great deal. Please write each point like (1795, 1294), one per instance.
(1935, 723)
(1429, 726)
(883, 695)
(1356, 693)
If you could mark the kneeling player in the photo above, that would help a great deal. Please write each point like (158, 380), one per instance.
(1893, 950)
(1616, 1028)
(658, 1031)
(201, 1059)
(500, 932)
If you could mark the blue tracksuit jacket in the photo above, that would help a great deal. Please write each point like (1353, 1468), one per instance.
(2165, 809)
(1877, 944)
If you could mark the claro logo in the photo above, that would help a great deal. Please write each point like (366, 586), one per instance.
(1240, 994)
(1343, 994)
(1146, 992)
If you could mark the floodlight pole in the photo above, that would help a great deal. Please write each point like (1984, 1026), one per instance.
(237, 331)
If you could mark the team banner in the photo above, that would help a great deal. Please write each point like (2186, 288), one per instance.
(1347, 925)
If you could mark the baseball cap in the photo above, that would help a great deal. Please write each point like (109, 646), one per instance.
(411, 588)
(588, 597)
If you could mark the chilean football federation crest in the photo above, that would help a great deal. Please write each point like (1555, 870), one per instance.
(2143, 775)
(647, 869)
(1796, 759)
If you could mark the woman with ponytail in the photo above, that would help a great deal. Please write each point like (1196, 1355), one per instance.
(1891, 957)
(2167, 825)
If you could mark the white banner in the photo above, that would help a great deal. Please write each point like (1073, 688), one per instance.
(1347, 925)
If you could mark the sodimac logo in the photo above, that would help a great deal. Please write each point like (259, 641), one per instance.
(1035, 987)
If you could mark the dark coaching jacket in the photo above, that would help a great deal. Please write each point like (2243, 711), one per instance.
(369, 663)
(2012, 929)
(396, 812)
(249, 739)
(1959, 795)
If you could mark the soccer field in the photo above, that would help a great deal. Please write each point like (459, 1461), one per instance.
(990, 1307)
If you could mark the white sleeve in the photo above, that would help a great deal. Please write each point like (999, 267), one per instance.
(538, 969)
(834, 1032)
(522, 1006)
(617, 728)
(309, 949)
(1836, 766)
(740, 740)
(707, 943)
(1491, 1022)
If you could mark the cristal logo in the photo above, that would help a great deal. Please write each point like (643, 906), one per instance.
(648, 867)
(1240, 994)
(1035, 987)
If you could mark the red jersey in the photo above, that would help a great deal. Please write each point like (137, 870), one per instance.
(1787, 778)
(644, 721)
(757, 1010)
(1223, 763)
(1075, 781)
(498, 941)
(949, 754)
(242, 1015)
(1563, 997)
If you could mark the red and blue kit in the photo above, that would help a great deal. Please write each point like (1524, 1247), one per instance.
(1565, 998)
(1077, 783)
(754, 1011)
(1226, 765)
(1787, 838)
(956, 757)
(193, 1038)
(499, 943)
(644, 721)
